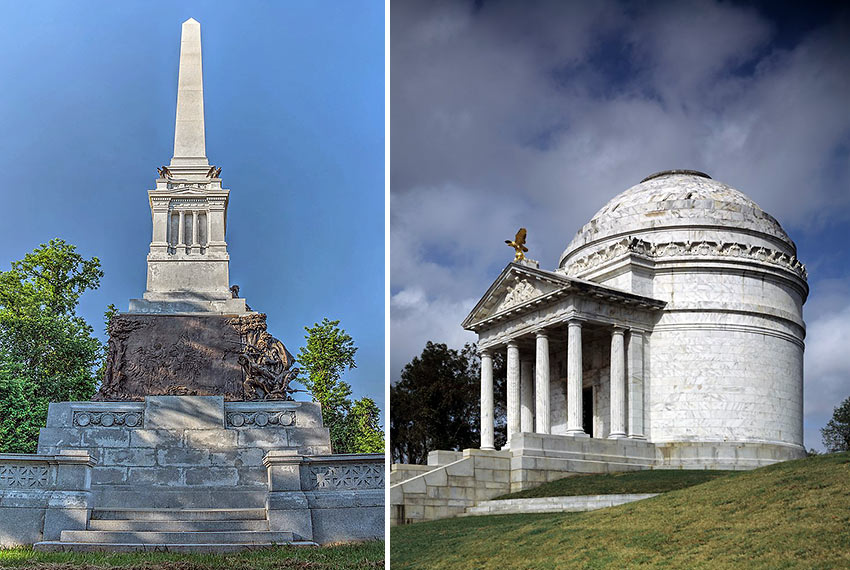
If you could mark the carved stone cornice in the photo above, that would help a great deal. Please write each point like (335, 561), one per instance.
(688, 249)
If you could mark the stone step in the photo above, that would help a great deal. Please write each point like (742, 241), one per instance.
(154, 537)
(179, 514)
(109, 497)
(221, 548)
(179, 525)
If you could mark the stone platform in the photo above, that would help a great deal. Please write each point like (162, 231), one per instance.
(187, 473)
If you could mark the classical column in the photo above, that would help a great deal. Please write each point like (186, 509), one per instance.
(635, 364)
(618, 384)
(541, 388)
(513, 389)
(526, 391)
(574, 406)
(486, 400)
(181, 229)
(195, 242)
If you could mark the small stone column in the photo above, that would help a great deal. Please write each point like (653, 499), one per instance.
(181, 230)
(635, 364)
(541, 388)
(618, 384)
(574, 378)
(195, 243)
(526, 394)
(487, 400)
(513, 390)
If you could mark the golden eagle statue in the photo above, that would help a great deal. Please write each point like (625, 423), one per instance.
(518, 244)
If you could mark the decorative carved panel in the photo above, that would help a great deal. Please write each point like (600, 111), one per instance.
(95, 418)
(263, 418)
(23, 476)
(341, 477)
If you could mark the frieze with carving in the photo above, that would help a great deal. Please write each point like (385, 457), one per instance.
(688, 249)
(519, 292)
(344, 477)
(262, 418)
(23, 476)
(93, 418)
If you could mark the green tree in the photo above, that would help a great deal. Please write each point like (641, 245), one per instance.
(364, 421)
(329, 352)
(436, 403)
(47, 353)
(836, 434)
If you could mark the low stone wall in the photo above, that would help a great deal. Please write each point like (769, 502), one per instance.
(403, 471)
(330, 498)
(447, 490)
(540, 458)
(577, 503)
(42, 495)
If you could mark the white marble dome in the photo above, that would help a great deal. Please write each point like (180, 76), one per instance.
(725, 356)
(682, 204)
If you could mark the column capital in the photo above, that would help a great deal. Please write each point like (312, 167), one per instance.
(512, 343)
(485, 352)
(618, 329)
(541, 333)
(575, 321)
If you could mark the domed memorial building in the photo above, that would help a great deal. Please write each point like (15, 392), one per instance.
(670, 335)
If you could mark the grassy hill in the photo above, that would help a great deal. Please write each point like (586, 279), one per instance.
(790, 515)
(357, 556)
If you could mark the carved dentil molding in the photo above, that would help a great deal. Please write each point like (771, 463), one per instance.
(708, 249)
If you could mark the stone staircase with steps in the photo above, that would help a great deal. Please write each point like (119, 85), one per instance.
(173, 530)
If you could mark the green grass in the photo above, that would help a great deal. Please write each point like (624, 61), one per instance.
(649, 481)
(342, 557)
(790, 515)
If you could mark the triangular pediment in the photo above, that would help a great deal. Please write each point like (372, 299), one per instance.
(515, 287)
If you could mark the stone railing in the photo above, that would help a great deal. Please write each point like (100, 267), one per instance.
(326, 498)
(42, 495)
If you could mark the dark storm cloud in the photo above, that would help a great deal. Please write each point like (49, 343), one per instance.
(537, 113)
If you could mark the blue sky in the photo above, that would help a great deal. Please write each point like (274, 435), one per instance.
(535, 114)
(294, 107)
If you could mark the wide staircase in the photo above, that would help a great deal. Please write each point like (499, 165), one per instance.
(218, 530)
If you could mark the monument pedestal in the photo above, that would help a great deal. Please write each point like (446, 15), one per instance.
(174, 471)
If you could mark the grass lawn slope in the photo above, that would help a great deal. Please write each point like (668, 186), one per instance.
(649, 481)
(789, 515)
(342, 557)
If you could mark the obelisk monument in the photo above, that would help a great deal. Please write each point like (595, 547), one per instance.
(189, 334)
(188, 259)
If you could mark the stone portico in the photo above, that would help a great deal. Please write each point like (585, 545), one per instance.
(545, 323)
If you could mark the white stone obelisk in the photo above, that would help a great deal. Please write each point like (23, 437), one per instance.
(189, 135)
(189, 274)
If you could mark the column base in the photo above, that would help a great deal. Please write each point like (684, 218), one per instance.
(577, 433)
(617, 435)
(637, 436)
(487, 448)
